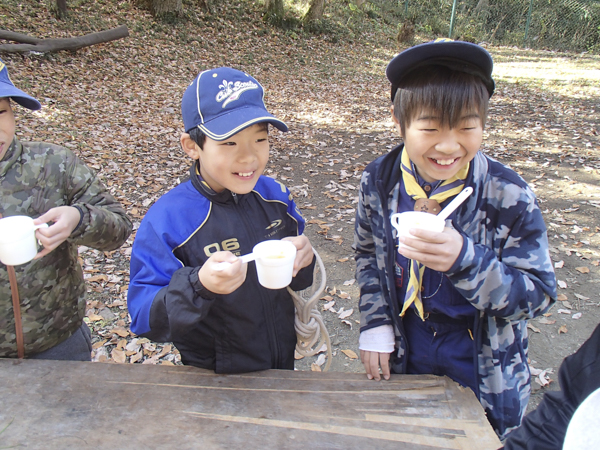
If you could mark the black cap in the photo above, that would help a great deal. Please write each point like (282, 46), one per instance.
(457, 55)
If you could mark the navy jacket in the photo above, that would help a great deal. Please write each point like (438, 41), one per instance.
(250, 329)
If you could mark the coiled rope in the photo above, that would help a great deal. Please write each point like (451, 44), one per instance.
(310, 328)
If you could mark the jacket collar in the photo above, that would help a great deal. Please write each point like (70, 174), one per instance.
(225, 196)
(13, 153)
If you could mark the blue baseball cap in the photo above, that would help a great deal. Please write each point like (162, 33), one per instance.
(222, 102)
(8, 89)
(457, 55)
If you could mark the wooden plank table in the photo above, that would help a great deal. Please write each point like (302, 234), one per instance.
(79, 405)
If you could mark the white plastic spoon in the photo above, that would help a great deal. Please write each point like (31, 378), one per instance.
(461, 197)
(224, 264)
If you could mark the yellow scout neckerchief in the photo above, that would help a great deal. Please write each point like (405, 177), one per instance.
(442, 192)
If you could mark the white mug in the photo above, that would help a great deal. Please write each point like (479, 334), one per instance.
(403, 222)
(18, 244)
(275, 263)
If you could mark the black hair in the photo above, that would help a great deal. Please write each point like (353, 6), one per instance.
(443, 91)
(199, 137)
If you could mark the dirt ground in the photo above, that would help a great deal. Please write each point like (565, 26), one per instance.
(117, 106)
(542, 127)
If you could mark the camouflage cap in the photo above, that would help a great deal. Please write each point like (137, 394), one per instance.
(8, 89)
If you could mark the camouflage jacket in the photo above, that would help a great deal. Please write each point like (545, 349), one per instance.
(35, 177)
(504, 270)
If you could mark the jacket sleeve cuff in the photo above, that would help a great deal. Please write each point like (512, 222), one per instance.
(198, 287)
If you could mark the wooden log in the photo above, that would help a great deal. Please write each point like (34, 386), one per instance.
(31, 44)
(80, 405)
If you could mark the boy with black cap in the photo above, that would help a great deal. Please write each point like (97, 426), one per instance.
(454, 303)
(221, 320)
(49, 183)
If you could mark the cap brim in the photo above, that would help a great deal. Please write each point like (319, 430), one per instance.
(226, 125)
(20, 97)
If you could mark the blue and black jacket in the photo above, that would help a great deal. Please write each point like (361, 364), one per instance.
(250, 329)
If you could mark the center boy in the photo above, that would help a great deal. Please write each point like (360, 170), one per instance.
(222, 320)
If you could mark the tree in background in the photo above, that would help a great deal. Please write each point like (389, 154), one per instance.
(315, 11)
(274, 8)
(163, 7)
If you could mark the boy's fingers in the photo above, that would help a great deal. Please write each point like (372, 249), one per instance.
(374, 365)
(384, 359)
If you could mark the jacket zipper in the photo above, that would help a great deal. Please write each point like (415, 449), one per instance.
(270, 319)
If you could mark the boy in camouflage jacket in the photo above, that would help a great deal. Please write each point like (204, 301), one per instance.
(454, 303)
(51, 184)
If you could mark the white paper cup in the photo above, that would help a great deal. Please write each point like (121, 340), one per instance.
(275, 263)
(403, 222)
(18, 244)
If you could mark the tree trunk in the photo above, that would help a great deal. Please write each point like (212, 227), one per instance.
(162, 7)
(315, 11)
(274, 7)
(61, 6)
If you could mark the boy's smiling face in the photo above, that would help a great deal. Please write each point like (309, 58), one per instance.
(7, 126)
(438, 151)
(235, 163)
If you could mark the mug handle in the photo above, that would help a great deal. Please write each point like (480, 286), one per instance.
(394, 219)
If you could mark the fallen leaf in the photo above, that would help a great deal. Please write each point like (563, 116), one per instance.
(542, 380)
(561, 284)
(576, 315)
(349, 282)
(97, 278)
(99, 344)
(545, 321)
(581, 297)
(566, 304)
(350, 354)
(315, 368)
(562, 297)
(532, 328)
(329, 305)
(582, 269)
(559, 264)
(95, 317)
(563, 311)
(344, 314)
(120, 331)
(118, 356)
(562, 329)
(321, 359)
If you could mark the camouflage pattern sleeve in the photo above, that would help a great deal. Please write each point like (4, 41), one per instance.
(511, 275)
(374, 309)
(104, 225)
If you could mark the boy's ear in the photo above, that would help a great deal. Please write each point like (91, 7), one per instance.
(189, 146)
(396, 122)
